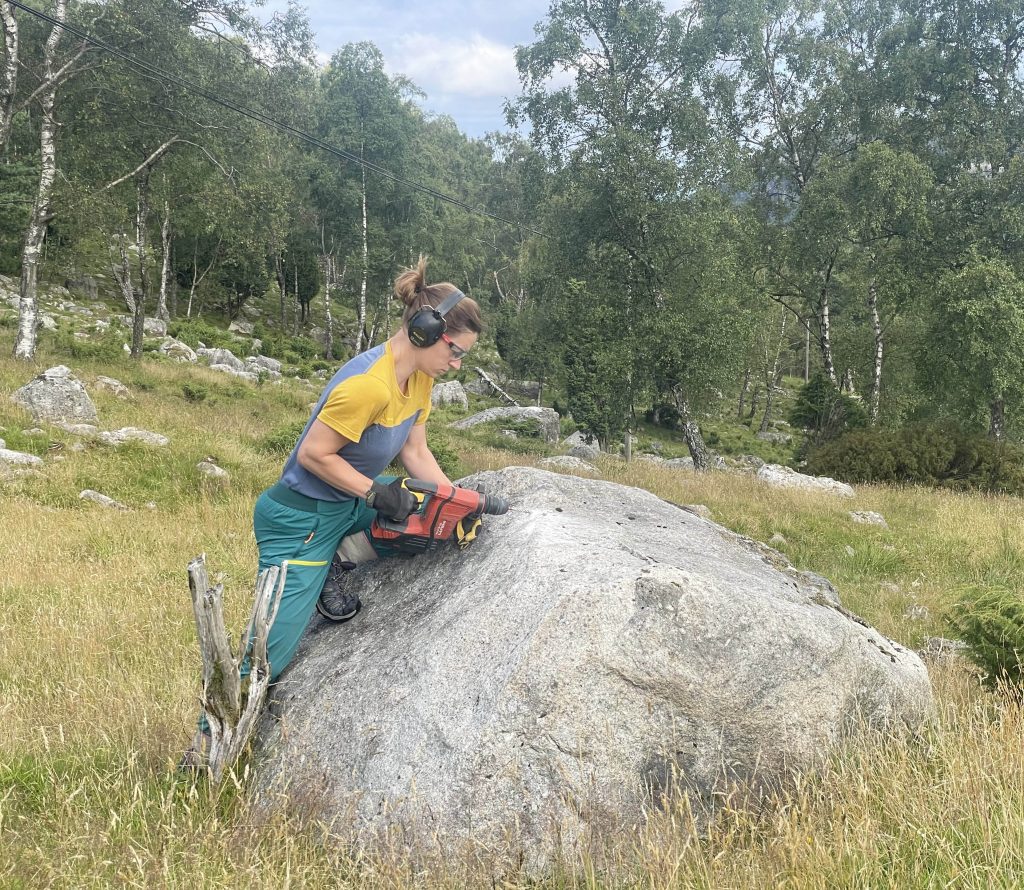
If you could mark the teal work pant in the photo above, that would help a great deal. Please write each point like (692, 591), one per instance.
(304, 534)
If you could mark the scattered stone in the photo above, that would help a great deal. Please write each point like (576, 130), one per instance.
(131, 434)
(101, 499)
(86, 286)
(581, 445)
(943, 651)
(221, 356)
(257, 345)
(264, 363)
(212, 472)
(56, 395)
(150, 505)
(509, 434)
(680, 463)
(748, 462)
(47, 322)
(777, 540)
(637, 650)
(916, 612)
(569, 462)
(784, 477)
(234, 372)
(18, 458)
(240, 326)
(649, 458)
(177, 350)
(775, 438)
(451, 392)
(850, 551)
(545, 419)
(79, 429)
(868, 517)
(701, 510)
(114, 386)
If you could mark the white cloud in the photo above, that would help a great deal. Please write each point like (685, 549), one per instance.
(475, 67)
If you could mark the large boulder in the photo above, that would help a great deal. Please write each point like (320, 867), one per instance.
(582, 445)
(450, 392)
(56, 396)
(544, 420)
(178, 350)
(220, 356)
(785, 477)
(597, 652)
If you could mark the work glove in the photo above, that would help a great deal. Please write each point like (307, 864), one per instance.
(467, 530)
(392, 501)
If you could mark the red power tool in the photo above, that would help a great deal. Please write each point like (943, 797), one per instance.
(444, 512)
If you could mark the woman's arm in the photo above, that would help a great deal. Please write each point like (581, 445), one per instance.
(418, 459)
(318, 453)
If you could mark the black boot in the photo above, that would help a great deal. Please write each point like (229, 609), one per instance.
(335, 602)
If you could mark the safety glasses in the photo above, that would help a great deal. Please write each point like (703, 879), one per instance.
(457, 351)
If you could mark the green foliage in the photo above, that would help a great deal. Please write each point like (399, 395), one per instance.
(990, 618)
(281, 440)
(448, 458)
(194, 331)
(922, 455)
(194, 392)
(824, 411)
(107, 347)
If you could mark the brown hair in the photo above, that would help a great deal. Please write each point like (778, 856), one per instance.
(412, 289)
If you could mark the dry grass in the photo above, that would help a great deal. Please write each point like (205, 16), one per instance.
(98, 674)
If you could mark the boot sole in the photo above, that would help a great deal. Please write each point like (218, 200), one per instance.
(337, 619)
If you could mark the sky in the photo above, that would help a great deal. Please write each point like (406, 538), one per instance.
(459, 53)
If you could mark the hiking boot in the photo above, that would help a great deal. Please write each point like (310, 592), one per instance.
(196, 758)
(335, 602)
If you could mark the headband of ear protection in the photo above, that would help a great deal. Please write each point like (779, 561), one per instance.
(427, 325)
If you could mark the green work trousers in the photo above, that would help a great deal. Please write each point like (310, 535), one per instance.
(302, 533)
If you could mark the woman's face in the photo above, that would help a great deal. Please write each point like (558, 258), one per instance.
(447, 353)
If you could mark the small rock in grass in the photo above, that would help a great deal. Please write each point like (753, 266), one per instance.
(868, 517)
(101, 499)
(916, 612)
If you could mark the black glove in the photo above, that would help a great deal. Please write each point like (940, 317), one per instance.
(392, 500)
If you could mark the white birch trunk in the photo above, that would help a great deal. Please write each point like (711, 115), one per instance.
(366, 267)
(28, 309)
(771, 378)
(876, 376)
(328, 318)
(123, 275)
(691, 432)
(825, 322)
(997, 420)
(165, 268)
(9, 74)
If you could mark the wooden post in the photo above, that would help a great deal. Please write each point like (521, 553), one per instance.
(231, 711)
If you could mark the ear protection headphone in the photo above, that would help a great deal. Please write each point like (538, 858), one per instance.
(427, 325)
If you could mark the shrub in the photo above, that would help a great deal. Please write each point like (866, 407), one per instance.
(194, 392)
(923, 455)
(824, 411)
(282, 440)
(109, 347)
(991, 621)
(447, 457)
(194, 331)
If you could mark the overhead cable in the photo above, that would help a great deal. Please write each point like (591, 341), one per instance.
(258, 116)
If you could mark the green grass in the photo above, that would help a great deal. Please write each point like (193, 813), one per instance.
(99, 669)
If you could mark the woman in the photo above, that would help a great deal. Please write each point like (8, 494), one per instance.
(373, 410)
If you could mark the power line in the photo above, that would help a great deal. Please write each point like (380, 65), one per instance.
(258, 116)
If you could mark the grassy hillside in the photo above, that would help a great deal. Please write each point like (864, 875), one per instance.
(99, 667)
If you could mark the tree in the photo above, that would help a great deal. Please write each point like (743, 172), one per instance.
(630, 143)
(974, 360)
